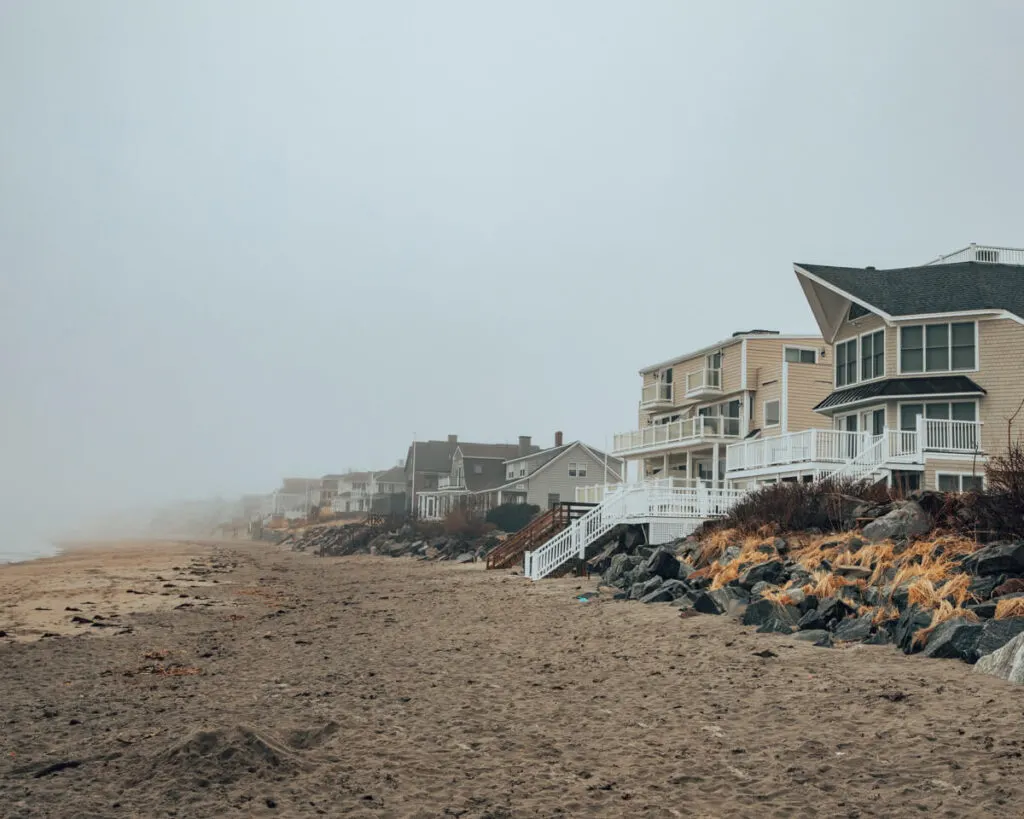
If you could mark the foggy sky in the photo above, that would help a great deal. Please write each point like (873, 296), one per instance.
(240, 240)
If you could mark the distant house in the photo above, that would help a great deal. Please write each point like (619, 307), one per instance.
(295, 497)
(479, 479)
(382, 491)
(428, 463)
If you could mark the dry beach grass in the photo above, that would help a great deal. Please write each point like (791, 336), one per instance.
(378, 687)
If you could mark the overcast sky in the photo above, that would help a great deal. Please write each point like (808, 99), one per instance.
(240, 240)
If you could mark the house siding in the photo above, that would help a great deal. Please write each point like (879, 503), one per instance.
(1000, 353)
(806, 385)
(555, 478)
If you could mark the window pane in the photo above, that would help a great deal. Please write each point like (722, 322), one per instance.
(840, 365)
(940, 411)
(866, 356)
(972, 483)
(879, 348)
(911, 349)
(963, 346)
(908, 415)
(949, 483)
(963, 411)
(878, 422)
(771, 413)
(792, 354)
(808, 357)
(937, 354)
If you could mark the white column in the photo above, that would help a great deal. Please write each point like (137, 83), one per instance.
(664, 465)
(714, 465)
(689, 468)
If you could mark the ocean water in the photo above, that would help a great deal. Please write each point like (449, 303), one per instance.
(19, 551)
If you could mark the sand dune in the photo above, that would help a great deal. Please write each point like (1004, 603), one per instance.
(393, 688)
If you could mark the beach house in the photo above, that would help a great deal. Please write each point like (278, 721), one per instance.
(748, 387)
(482, 477)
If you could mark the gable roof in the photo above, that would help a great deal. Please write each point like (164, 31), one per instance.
(928, 289)
(614, 464)
(490, 476)
(430, 456)
(394, 475)
(501, 451)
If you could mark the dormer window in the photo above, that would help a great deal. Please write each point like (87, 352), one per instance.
(857, 311)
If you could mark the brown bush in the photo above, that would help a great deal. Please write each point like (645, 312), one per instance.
(460, 523)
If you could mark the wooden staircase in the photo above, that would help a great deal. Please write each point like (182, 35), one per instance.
(537, 532)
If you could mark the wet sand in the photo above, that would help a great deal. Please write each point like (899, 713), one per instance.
(296, 686)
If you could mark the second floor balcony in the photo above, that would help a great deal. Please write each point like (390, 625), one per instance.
(660, 438)
(657, 395)
(704, 382)
(446, 482)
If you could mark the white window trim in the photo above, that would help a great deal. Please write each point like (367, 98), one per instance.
(960, 479)
(572, 469)
(835, 359)
(924, 348)
(817, 355)
(764, 413)
(860, 351)
(581, 470)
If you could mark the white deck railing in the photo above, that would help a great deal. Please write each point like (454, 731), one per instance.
(681, 433)
(658, 393)
(827, 446)
(628, 503)
(703, 380)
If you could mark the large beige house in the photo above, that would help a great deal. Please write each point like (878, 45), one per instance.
(927, 371)
(751, 386)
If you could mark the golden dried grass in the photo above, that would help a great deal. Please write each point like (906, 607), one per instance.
(943, 612)
(1010, 608)
(825, 584)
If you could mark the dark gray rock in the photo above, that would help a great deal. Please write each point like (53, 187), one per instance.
(855, 544)
(677, 588)
(729, 555)
(776, 626)
(771, 572)
(901, 595)
(997, 633)
(985, 611)
(854, 629)
(955, 639)
(812, 621)
(619, 566)
(912, 620)
(1007, 662)
(712, 602)
(698, 582)
(882, 637)
(663, 564)
(659, 595)
(982, 587)
(760, 588)
(809, 603)
(853, 572)
(763, 611)
(636, 591)
(998, 558)
(833, 610)
(904, 521)
(812, 635)
(781, 545)
(466, 557)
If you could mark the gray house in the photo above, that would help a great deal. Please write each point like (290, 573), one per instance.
(541, 477)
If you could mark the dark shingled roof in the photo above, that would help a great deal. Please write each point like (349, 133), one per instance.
(937, 288)
(900, 388)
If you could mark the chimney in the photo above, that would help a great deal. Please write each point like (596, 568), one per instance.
(558, 438)
(524, 445)
(453, 439)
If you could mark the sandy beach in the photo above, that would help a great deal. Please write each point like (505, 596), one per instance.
(243, 680)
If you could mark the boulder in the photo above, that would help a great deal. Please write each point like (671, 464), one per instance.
(776, 626)
(729, 555)
(618, 567)
(796, 596)
(781, 546)
(465, 557)
(997, 633)
(1014, 585)
(699, 582)
(997, 558)
(659, 595)
(809, 603)
(882, 637)
(772, 572)
(1007, 662)
(854, 629)
(982, 587)
(663, 564)
(853, 572)
(638, 591)
(984, 611)
(955, 639)
(911, 621)
(712, 602)
(812, 635)
(904, 521)
(759, 589)
(764, 611)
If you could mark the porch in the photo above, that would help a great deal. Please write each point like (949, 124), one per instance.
(826, 451)
(676, 435)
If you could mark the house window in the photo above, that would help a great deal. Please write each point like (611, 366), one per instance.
(572, 470)
(798, 355)
(510, 473)
(950, 482)
(937, 347)
(714, 361)
(846, 363)
(581, 470)
(522, 470)
(872, 355)
(478, 469)
(771, 413)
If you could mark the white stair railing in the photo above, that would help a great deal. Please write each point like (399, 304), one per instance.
(870, 462)
(640, 503)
